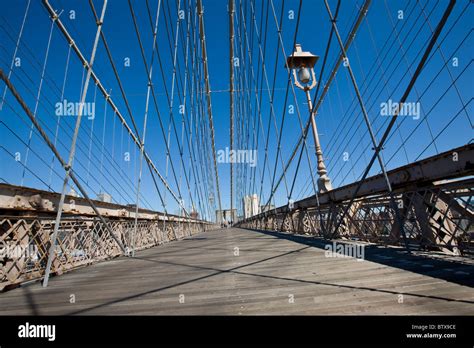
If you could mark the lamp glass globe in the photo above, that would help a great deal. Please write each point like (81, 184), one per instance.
(304, 75)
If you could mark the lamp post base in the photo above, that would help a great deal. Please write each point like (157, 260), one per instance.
(324, 184)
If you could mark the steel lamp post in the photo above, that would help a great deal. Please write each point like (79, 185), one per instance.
(302, 65)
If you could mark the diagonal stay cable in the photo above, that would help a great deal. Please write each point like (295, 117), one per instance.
(362, 13)
(208, 94)
(53, 149)
(142, 51)
(369, 126)
(135, 137)
(415, 76)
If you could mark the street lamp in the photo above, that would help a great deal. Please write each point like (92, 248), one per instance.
(302, 65)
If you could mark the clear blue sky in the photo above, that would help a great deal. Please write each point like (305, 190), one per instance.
(443, 117)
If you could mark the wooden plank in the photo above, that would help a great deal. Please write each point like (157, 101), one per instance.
(271, 275)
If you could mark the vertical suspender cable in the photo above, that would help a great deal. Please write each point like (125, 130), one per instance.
(144, 128)
(38, 96)
(208, 95)
(73, 149)
(15, 52)
(231, 100)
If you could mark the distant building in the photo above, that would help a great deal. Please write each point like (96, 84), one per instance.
(104, 197)
(250, 206)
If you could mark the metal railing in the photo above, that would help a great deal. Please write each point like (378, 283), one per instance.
(25, 242)
(434, 198)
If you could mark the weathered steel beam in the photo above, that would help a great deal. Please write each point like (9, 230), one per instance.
(435, 215)
(17, 198)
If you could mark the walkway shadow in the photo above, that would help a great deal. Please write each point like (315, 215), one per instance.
(236, 271)
(215, 271)
(453, 271)
(309, 242)
(31, 302)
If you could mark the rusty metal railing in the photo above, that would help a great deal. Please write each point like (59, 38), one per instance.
(434, 197)
(25, 239)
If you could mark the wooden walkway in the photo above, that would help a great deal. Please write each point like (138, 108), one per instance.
(241, 272)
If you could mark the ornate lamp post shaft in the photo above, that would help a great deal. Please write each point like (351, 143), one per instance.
(324, 183)
(304, 63)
